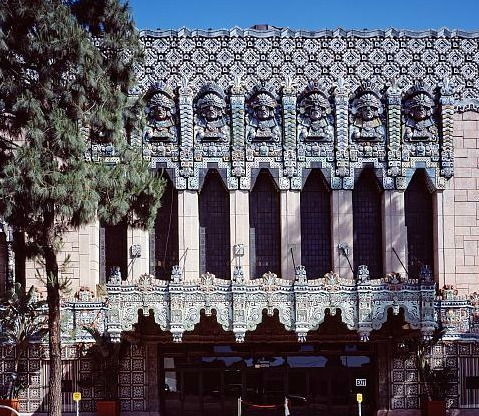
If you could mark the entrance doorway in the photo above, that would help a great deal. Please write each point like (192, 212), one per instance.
(315, 383)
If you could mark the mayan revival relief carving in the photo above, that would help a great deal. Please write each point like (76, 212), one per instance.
(263, 130)
(160, 116)
(421, 136)
(315, 120)
(366, 111)
(301, 303)
(368, 125)
(419, 122)
(211, 121)
(339, 132)
(367, 117)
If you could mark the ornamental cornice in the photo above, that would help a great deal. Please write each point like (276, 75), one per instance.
(293, 33)
(467, 104)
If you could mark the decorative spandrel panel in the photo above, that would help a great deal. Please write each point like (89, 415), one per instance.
(291, 101)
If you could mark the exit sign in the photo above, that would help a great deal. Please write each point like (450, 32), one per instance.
(360, 382)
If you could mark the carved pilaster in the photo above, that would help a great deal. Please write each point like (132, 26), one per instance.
(176, 292)
(394, 131)
(238, 131)
(289, 119)
(289, 114)
(302, 304)
(342, 179)
(238, 290)
(185, 101)
(10, 255)
(428, 323)
(447, 122)
(113, 316)
(364, 312)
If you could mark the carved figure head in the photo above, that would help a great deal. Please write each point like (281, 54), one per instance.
(316, 106)
(419, 106)
(211, 106)
(160, 107)
(263, 105)
(367, 106)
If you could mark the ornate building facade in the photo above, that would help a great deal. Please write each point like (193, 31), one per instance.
(321, 206)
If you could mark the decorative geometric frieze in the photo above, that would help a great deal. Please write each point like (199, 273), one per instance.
(341, 73)
(301, 304)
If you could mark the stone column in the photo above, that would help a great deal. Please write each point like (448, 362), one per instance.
(290, 232)
(153, 380)
(138, 252)
(188, 234)
(342, 232)
(239, 230)
(394, 232)
(383, 357)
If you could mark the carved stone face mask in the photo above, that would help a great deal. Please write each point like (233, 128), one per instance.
(160, 113)
(263, 112)
(211, 112)
(368, 112)
(316, 111)
(420, 112)
(420, 107)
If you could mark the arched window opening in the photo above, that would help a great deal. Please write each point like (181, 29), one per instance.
(265, 227)
(164, 239)
(316, 226)
(214, 212)
(419, 224)
(367, 224)
(113, 250)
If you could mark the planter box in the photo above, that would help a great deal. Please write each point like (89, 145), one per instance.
(434, 408)
(108, 408)
(13, 403)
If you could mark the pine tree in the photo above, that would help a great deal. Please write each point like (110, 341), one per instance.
(65, 71)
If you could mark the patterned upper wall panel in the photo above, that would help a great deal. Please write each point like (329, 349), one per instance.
(241, 100)
(271, 56)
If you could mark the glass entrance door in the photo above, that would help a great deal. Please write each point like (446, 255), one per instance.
(314, 385)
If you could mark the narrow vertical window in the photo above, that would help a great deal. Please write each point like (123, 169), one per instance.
(316, 226)
(418, 213)
(265, 227)
(164, 239)
(214, 212)
(367, 224)
(3, 263)
(113, 250)
(20, 258)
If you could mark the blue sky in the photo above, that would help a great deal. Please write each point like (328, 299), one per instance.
(307, 14)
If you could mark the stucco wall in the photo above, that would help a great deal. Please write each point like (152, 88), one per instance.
(461, 203)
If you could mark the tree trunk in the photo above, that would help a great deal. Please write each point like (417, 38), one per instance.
(53, 300)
